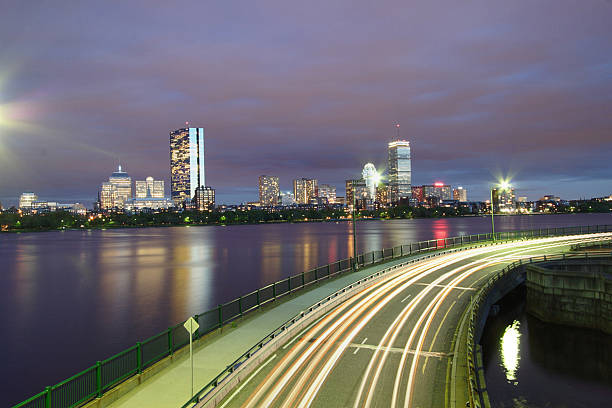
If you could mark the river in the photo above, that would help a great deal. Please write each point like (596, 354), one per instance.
(69, 298)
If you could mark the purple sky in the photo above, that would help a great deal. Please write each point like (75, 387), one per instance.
(307, 89)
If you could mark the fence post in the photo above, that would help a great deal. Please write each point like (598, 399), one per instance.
(303, 281)
(289, 284)
(48, 397)
(258, 305)
(139, 356)
(240, 305)
(328, 271)
(316, 277)
(170, 348)
(99, 378)
(220, 316)
(274, 290)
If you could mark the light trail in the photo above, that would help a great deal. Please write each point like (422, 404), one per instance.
(308, 364)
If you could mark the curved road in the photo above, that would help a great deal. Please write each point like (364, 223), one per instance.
(389, 345)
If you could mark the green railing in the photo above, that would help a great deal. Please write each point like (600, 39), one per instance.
(477, 313)
(102, 376)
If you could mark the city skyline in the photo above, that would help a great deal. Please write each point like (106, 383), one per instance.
(486, 102)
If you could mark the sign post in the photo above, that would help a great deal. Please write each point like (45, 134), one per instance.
(191, 326)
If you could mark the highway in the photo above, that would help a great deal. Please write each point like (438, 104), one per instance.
(392, 343)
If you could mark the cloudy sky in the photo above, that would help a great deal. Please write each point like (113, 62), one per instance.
(307, 89)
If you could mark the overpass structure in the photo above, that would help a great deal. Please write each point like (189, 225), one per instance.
(396, 333)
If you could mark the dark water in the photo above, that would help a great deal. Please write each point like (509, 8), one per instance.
(530, 363)
(70, 298)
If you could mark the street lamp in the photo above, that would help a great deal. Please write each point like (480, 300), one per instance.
(503, 185)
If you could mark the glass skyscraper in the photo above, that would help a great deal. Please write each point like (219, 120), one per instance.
(400, 174)
(186, 163)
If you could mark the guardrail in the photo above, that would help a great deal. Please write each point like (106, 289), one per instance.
(99, 378)
(476, 312)
(604, 244)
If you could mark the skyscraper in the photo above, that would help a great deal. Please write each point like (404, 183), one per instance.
(186, 163)
(399, 170)
(269, 191)
(107, 196)
(304, 189)
(150, 188)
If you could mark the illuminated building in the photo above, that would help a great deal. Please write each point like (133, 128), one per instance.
(329, 192)
(399, 167)
(123, 184)
(504, 200)
(148, 203)
(417, 193)
(357, 187)
(204, 199)
(107, 196)
(371, 178)
(437, 192)
(460, 194)
(304, 189)
(382, 194)
(186, 163)
(150, 188)
(269, 191)
(26, 200)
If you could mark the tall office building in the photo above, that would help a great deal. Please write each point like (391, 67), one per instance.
(382, 194)
(150, 188)
(329, 192)
(399, 171)
(460, 194)
(304, 189)
(123, 183)
(186, 163)
(417, 194)
(26, 200)
(269, 191)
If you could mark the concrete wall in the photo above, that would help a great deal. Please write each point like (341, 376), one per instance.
(573, 293)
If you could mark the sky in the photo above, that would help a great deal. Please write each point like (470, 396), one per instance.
(481, 89)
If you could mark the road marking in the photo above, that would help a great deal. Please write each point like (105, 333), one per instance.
(400, 350)
(406, 298)
(302, 332)
(246, 382)
(357, 348)
(444, 286)
(438, 331)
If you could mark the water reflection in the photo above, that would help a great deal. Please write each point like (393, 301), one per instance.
(510, 350)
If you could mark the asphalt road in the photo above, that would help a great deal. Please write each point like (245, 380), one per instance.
(389, 345)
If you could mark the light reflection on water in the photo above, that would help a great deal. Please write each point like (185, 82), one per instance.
(509, 346)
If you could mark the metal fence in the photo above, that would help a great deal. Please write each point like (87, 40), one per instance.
(102, 376)
(477, 314)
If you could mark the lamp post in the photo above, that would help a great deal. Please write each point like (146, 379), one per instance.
(492, 216)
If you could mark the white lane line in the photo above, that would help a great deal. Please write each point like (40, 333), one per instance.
(444, 286)
(405, 299)
(246, 382)
(357, 348)
(302, 332)
(398, 350)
